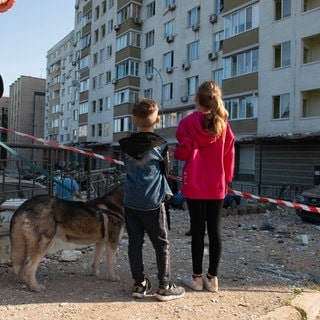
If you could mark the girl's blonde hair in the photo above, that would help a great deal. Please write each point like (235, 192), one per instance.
(209, 97)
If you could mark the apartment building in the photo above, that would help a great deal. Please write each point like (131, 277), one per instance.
(26, 110)
(163, 49)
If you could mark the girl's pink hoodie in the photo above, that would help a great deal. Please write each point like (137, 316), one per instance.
(209, 160)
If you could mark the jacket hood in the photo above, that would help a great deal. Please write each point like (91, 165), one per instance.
(138, 144)
(195, 124)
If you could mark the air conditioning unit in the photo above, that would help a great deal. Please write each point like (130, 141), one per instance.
(75, 44)
(67, 76)
(114, 81)
(66, 128)
(186, 66)
(195, 27)
(169, 70)
(184, 99)
(172, 7)
(76, 6)
(170, 38)
(212, 56)
(137, 21)
(73, 103)
(149, 76)
(213, 18)
(116, 27)
(74, 63)
(62, 82)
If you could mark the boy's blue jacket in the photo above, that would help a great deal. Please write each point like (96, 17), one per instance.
(146, 164)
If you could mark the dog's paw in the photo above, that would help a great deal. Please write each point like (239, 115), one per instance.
(113, 278)
(37, 287)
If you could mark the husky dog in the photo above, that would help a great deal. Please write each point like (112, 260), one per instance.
(41, 219)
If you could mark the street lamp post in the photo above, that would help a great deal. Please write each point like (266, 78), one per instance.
(161, 97)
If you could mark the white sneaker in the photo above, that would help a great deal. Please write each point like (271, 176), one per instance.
(211, 284)
(195, 283)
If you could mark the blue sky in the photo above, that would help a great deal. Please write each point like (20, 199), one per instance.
(28, 30)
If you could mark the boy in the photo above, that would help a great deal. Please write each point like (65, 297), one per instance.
(146, 187)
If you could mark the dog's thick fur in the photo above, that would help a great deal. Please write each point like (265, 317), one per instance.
(41, 219)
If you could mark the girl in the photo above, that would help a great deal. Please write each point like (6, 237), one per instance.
(206, 144)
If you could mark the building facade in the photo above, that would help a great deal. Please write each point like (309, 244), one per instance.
(27, 102)
(264, 54)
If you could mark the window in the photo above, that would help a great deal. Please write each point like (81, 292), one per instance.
(102, 55)
(93, 106)
(311, 48)
(103, 31)
(193, 51)
(83, 107)
(241, 63)
(107, 101)
(95, 58)
(193, 83)
(148, 93)
(149, 67)
(104, 7)
(168, 59)
(99, 129)
(94, 83)
(167, 91)
(281, 106)
(310, 103)
(219, 6)
(150, 38)
(75, 115)
(109, 52)
(241, 21)
(96, 36)
(282, 9)
(241, 107)
(217, 76)
(86, 40)
(169, 28)
(84, 62)
(169, 2)
(127, 68)
(122, 124)
(93, 130)
(110, 4)
(110, 25)
(106, 129)
(131, 38)
(310, 5)
(83, 131)
(151, 9)
(132, 10)
(97, 12)
(193, 17)
(282, 55)
(100, 105)
(108, 76)
(125, 96)
(84, 85)
(218, 41)
(87, 18)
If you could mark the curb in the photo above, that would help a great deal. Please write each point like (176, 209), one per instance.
(308, 302)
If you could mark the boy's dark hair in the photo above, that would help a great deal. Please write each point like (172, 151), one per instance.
(143, 109)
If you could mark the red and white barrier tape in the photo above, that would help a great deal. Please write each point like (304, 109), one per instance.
(294, 205)
(62, 146)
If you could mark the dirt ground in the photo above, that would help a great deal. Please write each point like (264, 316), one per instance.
(264, 265)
